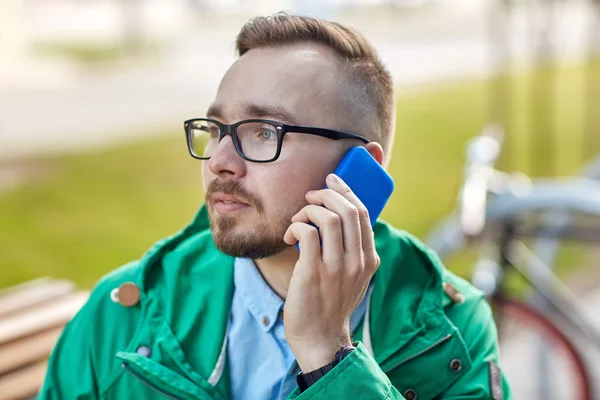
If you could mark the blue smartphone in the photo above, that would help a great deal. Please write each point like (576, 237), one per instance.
(367, 179)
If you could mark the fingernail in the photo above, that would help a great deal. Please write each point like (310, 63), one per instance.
(333, 178)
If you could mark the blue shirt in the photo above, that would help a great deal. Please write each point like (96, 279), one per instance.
(261, 364)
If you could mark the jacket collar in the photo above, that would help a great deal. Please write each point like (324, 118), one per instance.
(199, 224)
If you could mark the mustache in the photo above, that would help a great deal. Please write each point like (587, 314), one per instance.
(234, 188)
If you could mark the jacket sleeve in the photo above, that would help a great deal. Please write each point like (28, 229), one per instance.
(83, 360)
(485, 380)
(359, 376)
(70, 372)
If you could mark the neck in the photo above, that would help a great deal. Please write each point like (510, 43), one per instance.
(277, 270)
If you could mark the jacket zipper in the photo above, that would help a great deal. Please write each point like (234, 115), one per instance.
(146, 383)
(442, 340)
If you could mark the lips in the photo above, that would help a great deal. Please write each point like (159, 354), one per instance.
(227, 199)
(227, 204)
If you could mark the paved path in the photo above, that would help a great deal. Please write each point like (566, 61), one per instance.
(129, 103)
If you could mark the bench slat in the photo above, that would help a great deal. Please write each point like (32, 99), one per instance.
(32, 316)
(28, 351)
(44, 317)
(19, 286)
(26, 295)
(23, 383)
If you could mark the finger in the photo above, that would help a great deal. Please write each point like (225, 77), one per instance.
(308, 237)
(330, 228)
(368, 241)
(348, 212)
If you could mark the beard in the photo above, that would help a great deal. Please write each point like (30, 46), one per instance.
(261, 239)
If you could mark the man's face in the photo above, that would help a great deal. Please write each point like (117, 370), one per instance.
(251, 204)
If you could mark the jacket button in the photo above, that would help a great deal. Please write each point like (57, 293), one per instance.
(451, 291)
(455, 365)
(128, 294)
(410, 394)
(144, 351)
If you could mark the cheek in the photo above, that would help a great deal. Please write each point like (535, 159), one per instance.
(280, 188)
(293, 178)
(207, 176)
(310, 171)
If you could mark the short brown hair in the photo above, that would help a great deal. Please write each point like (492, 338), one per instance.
(362, 63)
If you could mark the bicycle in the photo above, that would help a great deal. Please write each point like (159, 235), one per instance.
(498, 211)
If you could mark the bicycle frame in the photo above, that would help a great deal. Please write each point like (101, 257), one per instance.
(546, 249)
(515, 255)
(490, 199)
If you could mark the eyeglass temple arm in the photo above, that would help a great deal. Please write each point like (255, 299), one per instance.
(328, 133)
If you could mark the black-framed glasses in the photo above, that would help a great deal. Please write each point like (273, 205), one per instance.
(255, 140)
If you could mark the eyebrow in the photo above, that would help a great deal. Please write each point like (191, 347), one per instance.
(214, 111)
(256, 111)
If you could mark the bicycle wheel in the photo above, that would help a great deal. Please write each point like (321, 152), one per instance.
(563, 374)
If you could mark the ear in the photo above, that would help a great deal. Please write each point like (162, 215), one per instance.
(376, 151)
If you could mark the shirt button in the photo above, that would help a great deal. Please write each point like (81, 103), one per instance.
(455, 365)
(128, 294)
(144, 351)
(265, 320)
(410, 394)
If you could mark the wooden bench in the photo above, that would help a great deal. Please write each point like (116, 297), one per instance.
(32, 316)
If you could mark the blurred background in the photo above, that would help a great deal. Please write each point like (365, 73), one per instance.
(93, 163)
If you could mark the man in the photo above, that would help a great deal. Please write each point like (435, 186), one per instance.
(231, 309)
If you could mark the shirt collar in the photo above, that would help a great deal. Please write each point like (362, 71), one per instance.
(264, 304)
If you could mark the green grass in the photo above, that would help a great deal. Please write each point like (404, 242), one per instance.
(89, 213)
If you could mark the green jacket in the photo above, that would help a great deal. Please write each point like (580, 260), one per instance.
(425, 345)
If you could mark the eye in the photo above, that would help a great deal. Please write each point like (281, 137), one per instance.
(267, 133)
(213, 130)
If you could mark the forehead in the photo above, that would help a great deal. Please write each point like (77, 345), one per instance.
(305, 79)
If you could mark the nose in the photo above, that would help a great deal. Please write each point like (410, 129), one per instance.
(225, 161)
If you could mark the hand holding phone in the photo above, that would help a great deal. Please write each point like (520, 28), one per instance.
(331, 278)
